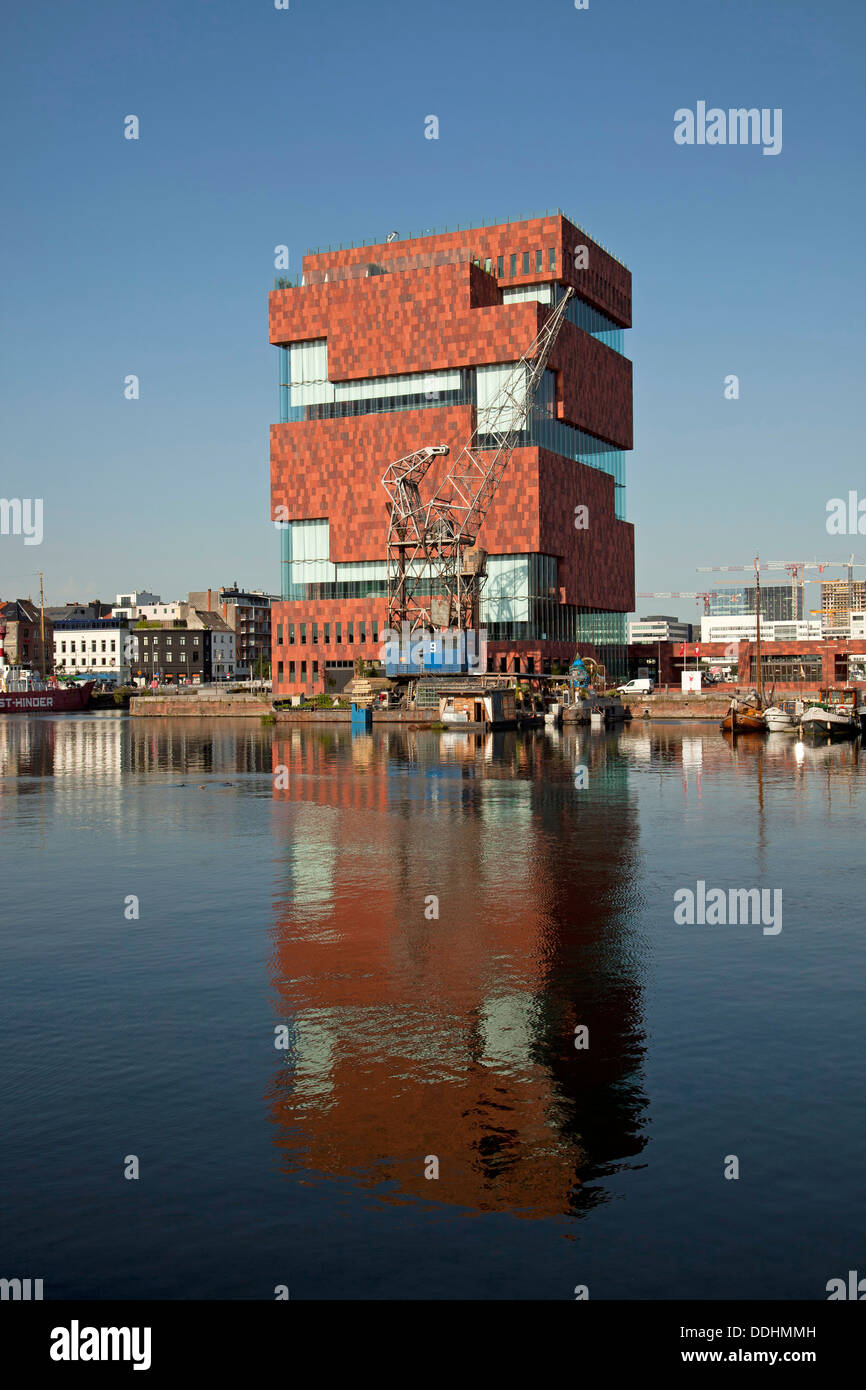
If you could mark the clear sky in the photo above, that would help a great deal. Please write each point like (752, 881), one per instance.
(305, 126)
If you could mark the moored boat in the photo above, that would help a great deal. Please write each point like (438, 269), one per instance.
(784, 718)
(23, 691)
(832, 716)
(747, 715)
(744, 718)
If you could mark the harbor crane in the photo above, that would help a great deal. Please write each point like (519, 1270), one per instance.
(436, 570)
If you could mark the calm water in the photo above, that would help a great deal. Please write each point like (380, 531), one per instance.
(303, 915)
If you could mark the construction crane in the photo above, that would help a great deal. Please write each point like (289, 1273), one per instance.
(675, 593)
(796, 569)
(436, 570)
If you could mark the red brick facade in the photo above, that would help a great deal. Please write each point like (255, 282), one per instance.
(832, 661)
(431, 317)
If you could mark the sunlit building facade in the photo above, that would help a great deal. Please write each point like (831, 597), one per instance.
(386, 348)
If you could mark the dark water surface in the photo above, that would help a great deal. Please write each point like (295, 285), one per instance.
(302, 914)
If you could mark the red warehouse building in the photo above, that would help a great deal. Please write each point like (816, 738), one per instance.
(387, 348)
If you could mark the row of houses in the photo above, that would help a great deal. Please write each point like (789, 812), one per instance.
(212, 635)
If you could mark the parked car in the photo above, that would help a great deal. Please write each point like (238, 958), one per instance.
(643, 686)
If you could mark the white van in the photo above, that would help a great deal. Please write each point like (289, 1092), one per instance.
(643, 686)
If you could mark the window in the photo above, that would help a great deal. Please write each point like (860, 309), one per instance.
(512, 265)
(93, 646)
(339, 627)
(183, 641)
(315, 671)
(182, 656)
(375, 629)
(113, 644)
(551, 258)
(195, 656)
(362, 632)
(327, 634)
(500, 266)
(291, 634)
(539, 261)
(72, 646)
(291, 671)
(487, 265)
(103, 648)
(350, 632)
(63, 646)
(315, 634)
(303, 670)
(103, 661)
(303, 635)
(279, 634)
(526, 263)
(280, 670)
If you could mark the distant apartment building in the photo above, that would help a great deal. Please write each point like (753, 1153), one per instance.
(23, 641)
(128, 604)
(745, 629)
(659, 628)
(199, 649)
(839, 599)
(99, 648)
(163, 612)
(91, 611)
(248, 613)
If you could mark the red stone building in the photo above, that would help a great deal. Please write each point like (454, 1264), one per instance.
(798, 667)
(387, 348)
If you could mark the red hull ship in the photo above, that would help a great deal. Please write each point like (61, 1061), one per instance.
(24, 692)
(46, 699)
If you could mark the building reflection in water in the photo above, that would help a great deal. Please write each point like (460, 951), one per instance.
(410, 1036)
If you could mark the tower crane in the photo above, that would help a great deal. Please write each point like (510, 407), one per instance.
(676, 593)
(796, 569)
(436, 571)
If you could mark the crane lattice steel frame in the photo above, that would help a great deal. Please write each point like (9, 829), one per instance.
(435, 573)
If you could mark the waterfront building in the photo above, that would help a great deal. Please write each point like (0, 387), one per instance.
(101, 649)
(659, 628)
(386, 348)
(198, 649)
(248, 613)
(23, 642)
(791, 664)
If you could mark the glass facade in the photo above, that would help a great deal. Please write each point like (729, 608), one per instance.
(778, 602)
(581, 314)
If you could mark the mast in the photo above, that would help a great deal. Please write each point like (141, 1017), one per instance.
(758, 618)
(42, 624)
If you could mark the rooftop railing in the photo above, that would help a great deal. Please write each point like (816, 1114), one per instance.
(468, 227)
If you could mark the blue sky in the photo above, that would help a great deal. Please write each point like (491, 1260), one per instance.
(306, 127)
